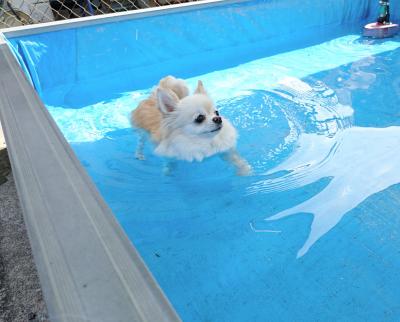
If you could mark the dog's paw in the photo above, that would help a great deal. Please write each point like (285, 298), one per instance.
(168, 169)
(139, 156)
(244, 170)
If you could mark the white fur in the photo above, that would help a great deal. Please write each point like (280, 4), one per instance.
(178, 135)
(180, 145)
(182, 137)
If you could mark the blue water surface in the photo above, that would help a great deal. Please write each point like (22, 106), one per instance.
(325, 147)
(313, 234)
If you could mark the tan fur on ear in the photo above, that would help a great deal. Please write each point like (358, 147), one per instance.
(200, 88)
(149, 113)
(177, 85)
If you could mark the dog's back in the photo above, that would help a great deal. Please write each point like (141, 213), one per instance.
(148, 116)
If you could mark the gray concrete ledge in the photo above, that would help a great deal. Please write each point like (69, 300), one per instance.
(89, 270)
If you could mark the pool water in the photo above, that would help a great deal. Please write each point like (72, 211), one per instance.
(313, 234)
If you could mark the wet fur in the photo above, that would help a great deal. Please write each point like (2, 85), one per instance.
(169, 116)
(148, 116)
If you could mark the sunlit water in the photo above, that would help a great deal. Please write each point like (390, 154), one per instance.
(313, 232)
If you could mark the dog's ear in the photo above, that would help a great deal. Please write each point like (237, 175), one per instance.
(166, 101)
(200, 88)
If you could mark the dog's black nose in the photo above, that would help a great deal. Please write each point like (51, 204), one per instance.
(217, 119)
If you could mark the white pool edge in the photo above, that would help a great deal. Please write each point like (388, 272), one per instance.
(112, 17)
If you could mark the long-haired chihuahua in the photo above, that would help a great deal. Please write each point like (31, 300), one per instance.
(186, 127)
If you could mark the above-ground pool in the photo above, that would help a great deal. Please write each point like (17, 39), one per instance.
(313, 233)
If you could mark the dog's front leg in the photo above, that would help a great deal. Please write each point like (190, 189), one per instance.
(140, 147)
(241, 165)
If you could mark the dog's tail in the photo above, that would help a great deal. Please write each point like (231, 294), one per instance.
(177, 85)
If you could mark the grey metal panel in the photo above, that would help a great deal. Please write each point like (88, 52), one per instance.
(88, 268)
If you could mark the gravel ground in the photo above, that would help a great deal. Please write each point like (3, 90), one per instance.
(20, 294)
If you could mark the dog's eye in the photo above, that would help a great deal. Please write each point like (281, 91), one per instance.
(216, 113)
(200, 118)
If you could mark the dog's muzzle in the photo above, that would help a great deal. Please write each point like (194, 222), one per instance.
(217, 119)
(216, 129)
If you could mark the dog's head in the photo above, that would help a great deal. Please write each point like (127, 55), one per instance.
(192, 115)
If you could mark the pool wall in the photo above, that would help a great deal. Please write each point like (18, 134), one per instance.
(88, 268)
(113, 54)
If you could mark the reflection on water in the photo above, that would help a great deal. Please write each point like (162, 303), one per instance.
(359, 161)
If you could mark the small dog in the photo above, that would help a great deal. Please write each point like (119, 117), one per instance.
(186, 127)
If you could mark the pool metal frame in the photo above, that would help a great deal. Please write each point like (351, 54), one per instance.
(88, 268)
